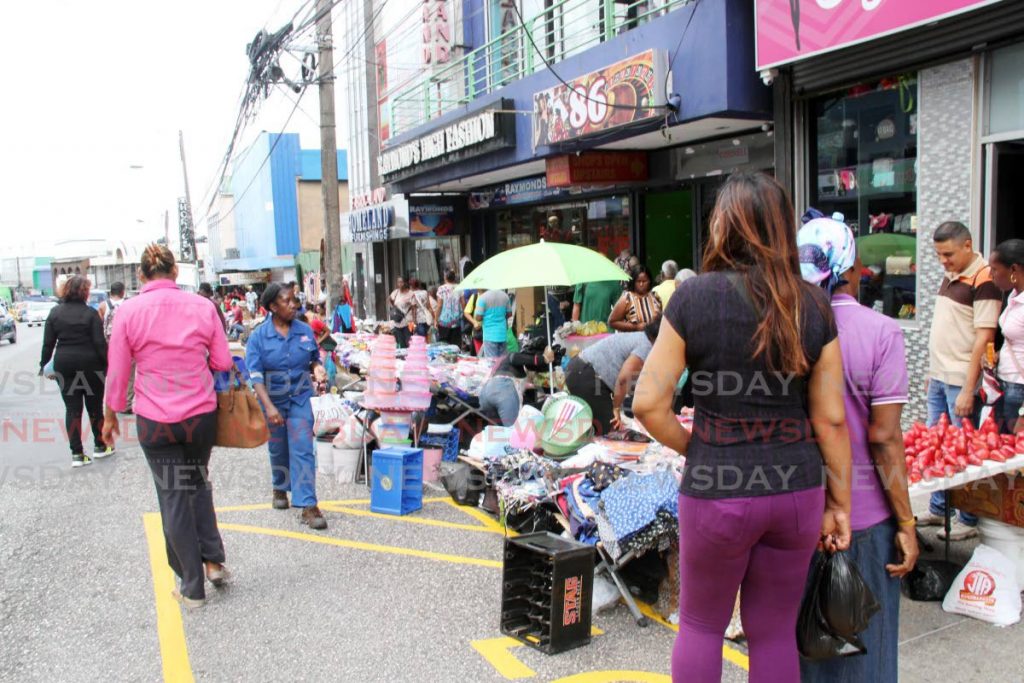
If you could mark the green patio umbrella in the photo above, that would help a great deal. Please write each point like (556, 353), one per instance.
(545, 264)
(874, 249)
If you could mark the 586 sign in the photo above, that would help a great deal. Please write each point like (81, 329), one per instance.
(618, 94)
(589, 106)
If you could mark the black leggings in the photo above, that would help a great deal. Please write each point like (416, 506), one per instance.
(78, 387)
(583, 382)
(178, 455)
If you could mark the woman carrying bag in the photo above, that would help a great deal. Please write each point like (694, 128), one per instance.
(174, 339)
(280, 355)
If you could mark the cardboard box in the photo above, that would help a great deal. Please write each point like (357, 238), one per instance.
(1000, 498)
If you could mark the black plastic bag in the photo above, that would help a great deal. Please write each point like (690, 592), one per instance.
(463, 483)
(930, 580)
(837, 605)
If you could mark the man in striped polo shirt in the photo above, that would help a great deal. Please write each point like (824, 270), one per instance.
(965, 321)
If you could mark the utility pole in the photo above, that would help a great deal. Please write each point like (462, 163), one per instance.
(187, 238)
(329, 155)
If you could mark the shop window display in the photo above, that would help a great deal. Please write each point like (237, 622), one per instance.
(602, 224)
(864, 166)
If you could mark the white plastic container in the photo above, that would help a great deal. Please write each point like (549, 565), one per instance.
(346, 464)
(325, 456)
(1007, 539)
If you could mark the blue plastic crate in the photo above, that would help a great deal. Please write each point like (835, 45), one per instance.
(448, 443)
(397, 480)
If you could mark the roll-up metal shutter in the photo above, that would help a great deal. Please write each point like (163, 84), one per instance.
(941, 41)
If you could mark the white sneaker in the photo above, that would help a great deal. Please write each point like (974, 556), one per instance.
(106, 453)
(80, 460)
(958, 531)
(930, 519)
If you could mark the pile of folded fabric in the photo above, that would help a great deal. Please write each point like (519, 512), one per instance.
(639, 513)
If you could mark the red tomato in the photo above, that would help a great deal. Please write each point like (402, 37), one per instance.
(1008, 451)
(1007, 439)
(966, 426)
(961, 463)
(997, 456)
(973, 460)
(949, 470)
(992, 440)
(983, 453)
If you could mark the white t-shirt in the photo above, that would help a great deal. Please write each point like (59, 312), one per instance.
(1011, 322)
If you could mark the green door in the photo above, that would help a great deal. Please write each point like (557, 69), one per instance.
(668, 225)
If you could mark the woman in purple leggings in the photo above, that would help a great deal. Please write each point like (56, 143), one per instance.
(768, 462)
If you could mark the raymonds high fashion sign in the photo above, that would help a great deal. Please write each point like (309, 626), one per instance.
(788, 30)
(486, 131)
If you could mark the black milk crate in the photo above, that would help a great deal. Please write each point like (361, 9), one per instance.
(547, 587)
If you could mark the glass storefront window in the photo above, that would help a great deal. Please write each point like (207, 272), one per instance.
(602, 224)
(1006, 91)
(864, 167)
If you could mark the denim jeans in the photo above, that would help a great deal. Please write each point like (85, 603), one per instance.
(494, 349)
(1009, 404)
(871, 549)
(942, 399)
(500, 396)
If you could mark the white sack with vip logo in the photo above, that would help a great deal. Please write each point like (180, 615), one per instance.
(986, 589)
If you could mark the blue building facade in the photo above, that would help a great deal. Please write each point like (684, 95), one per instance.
(610, 133)
(265, 185)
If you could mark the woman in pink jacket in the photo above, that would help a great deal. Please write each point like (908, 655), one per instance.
(175, 339)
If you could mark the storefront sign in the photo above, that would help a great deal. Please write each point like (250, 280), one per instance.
(622, 93)
(377, 223)
(244, 278)
(524, 191)
(596, 168)
(437, 33)
(376, 196)
(434, 217)
(788, 30)
(486, 131)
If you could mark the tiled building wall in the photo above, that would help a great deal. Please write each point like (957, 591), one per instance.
(944, 183)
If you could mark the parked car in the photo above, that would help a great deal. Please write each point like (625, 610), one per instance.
(96, 297)
(37, 312)
(8, 328)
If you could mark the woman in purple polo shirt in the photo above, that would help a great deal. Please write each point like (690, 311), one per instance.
(875, 374)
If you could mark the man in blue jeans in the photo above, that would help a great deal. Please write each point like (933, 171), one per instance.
(493, 308)
(965, 321)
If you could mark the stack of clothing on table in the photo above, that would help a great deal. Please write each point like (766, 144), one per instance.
(521, 480)
(639, 513)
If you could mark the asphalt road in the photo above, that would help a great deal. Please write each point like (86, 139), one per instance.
(84, 589)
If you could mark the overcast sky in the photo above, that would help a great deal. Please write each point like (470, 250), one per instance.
(95, 87)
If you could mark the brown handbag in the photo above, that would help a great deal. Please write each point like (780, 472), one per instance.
(240, 421)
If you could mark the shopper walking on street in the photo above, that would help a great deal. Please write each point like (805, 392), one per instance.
(280, 355)
(422, 314)
(107, 310)
(638, 305)
(73, 338)
(964, 323)
(449, 318)
(754, 500)
(669, 270)
(206, 291)
(493, 308)
(175, 340)
(1007, 261)
(403, 311)
(884, 543)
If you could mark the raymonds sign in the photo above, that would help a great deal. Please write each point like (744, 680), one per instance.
(485, 131)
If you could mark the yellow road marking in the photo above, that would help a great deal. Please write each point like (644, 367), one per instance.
(169, 627)
(496, 652)
(343, 501)
(482, 517)
(729, 653)
(615, 677)
(359, 545)
(407, 519)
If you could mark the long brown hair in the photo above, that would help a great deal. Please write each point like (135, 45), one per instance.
(753, 232)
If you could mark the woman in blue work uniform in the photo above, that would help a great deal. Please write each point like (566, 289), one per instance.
(280, 355)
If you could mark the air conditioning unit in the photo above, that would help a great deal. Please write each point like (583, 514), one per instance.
(231, 253)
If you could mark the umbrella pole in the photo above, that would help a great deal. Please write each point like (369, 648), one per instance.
(547, 322)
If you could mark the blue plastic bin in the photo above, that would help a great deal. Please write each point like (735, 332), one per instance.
(397, 480)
